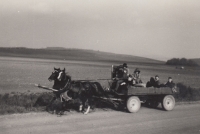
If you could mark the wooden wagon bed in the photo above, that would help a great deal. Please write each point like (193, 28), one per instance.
(151, 91)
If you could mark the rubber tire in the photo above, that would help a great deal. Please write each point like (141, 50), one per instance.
(168, 103)
(133, 104)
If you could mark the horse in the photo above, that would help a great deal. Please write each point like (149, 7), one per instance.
(58, 85)
(83, 90)
(70, 90)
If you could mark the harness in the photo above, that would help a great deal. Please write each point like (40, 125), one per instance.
(67, 85)
(65, 90)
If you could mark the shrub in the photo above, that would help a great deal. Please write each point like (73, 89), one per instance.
(20, 102)
(187, 93)
(181, 62)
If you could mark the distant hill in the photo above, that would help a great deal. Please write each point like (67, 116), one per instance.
(73, 54)
(55, 48)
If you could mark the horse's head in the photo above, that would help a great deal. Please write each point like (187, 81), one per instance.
(54, 75)
(63, 76)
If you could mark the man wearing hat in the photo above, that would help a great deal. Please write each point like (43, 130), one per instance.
(136, 76)
(125, 71)
(125, 74)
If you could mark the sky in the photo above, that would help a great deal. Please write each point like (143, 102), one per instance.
(158, 29)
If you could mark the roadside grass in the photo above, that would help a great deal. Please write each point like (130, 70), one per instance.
(22, 102)
(187, 93)
(16, 102)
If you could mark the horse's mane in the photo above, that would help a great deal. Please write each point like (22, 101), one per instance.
(68, 76)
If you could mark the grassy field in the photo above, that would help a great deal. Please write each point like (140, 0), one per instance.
(18, 76)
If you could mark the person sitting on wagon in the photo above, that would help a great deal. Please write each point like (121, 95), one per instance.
(135, 79)
(154, 82)
(170, 83)
(136, 76)
(125, 74)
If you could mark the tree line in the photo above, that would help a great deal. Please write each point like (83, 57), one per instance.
(181, 62)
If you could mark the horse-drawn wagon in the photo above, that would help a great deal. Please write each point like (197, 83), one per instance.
(128, 96)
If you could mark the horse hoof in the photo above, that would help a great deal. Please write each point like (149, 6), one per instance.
(87, 111)
(80, 108)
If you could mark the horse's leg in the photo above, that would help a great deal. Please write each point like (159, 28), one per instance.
(67, 106)
(80, 98)
(87, 111)
(87, 104)
(61, 109)
(81, 104)
(62, 100)
(80, 108)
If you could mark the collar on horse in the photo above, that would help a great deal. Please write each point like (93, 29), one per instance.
(67, 85)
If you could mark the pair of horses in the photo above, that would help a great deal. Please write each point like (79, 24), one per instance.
(68, 90)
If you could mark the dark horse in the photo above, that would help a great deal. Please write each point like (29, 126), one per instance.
(70, 90)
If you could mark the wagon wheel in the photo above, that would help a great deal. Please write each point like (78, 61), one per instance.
(168, 103)
(133, 104)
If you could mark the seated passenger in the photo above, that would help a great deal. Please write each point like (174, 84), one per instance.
(170, 83)
(136, 76)
(154, 82)
(135, 80)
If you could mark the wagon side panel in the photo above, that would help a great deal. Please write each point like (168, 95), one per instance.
(150, 91)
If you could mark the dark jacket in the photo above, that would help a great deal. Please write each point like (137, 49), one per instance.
(124, 73)
(170, 84)
(153, 83)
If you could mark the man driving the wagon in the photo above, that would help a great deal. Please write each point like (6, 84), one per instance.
(121, 76)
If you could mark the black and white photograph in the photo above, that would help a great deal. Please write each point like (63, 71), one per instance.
(99, 67)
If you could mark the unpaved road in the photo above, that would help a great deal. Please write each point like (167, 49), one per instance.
(184, 119)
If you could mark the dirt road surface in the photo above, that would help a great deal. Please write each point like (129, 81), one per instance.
(184, 119)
